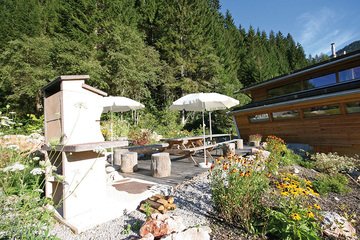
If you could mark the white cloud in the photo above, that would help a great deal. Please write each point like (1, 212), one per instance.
(319, 29)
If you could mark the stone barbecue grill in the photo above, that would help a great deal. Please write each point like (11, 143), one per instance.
(72, 127)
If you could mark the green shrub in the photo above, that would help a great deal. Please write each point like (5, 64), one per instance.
(140, 136)
(333, 163)
(290, 216)
(237, 189)
(10, 123)
(280, 154)
(24, 212)
(336, 183)
(118, 128)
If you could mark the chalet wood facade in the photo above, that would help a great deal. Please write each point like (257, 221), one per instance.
(319, 106)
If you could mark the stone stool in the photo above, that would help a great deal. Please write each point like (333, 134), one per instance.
(239, 144)
(129, 162)
(117, 155)
(229, 148)
(160, 164)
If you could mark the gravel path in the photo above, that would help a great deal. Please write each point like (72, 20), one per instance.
(193, 200)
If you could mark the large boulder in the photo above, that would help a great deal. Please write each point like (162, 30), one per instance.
(162, 224)
(195, 233)
(22, 143)
(337, 227)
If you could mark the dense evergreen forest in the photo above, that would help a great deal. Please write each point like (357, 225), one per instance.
(153, 51)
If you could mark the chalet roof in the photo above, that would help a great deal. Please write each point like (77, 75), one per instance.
(332, 61)
(308, 95)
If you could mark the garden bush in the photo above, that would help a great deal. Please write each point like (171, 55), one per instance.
(333, 163)
(336, 183)
(291, 216)
(237, 188)
(24, 212)
(280, 154)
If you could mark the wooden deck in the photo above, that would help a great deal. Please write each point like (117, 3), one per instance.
(181, 168)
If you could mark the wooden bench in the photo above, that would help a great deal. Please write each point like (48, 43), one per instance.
(190, 152)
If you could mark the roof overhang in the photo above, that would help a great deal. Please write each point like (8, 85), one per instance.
(297, 101)
(301, 72)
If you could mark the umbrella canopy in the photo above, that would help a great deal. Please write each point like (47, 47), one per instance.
(120, 104)
(201, 102)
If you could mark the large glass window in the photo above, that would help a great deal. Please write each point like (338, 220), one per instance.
(320, 81)
(349, 74)
(285, 115)
(321, 111)
(289, 88)
(353, 107)
(259, 118)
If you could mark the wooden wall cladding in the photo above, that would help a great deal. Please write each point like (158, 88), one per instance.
(335, 133)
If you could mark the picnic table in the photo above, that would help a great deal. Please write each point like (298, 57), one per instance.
(189, 146)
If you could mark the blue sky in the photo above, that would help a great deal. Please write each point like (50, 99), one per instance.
(315, 24)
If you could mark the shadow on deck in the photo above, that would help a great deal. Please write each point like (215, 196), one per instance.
(181, 168)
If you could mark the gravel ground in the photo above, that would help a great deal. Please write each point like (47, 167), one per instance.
(194, 205)
(193, 200)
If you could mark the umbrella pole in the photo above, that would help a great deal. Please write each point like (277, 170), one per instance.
(203, 113)
(210, 126)
(111, 138)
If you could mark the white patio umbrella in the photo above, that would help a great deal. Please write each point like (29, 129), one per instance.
(118, 104)
(201, 102)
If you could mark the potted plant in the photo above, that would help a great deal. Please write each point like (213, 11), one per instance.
(255, 139)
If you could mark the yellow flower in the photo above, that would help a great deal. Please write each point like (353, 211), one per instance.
(310, 215)
(295, 216)
(316, 206)
(284, 193)
(308, 183)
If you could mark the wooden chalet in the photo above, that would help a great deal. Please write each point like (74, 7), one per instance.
(318, 105)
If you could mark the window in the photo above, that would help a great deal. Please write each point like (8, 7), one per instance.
(320, 81)
(285, 115)
(259, 118)
(353, 107)
(290, 88)
(349, 74)
(321, 111)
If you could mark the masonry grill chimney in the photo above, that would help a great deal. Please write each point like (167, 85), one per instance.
(333, 51)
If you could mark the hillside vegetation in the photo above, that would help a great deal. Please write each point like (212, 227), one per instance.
(153, 51)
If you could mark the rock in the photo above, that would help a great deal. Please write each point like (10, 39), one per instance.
(148, 236)
(296, 170)
(195, 233)
(114, 176)
(335, 226)
(159, 216)
(175, 224)
(23, 143)
(156, 227)
(264, 155)
(110, 169)
(161, 224)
